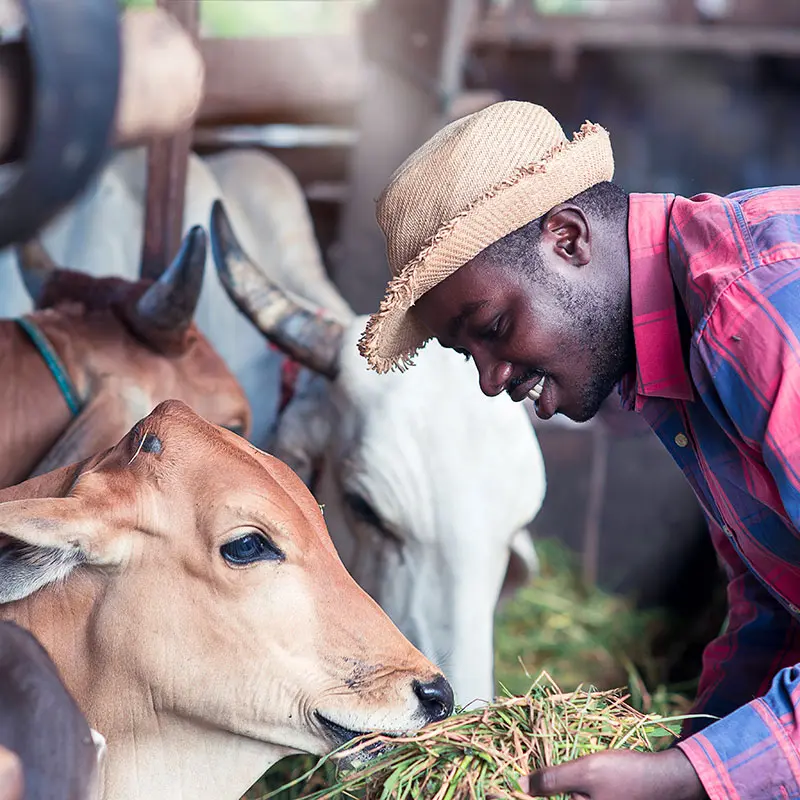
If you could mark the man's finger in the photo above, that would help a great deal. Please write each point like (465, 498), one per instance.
(567, 778)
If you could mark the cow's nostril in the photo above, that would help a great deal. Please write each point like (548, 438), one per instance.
(436, 698)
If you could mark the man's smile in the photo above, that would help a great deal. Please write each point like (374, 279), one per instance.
(536, 392)
(521, 387)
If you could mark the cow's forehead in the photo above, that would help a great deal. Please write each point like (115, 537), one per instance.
(201, 465)
(439, 398)
(432, 428)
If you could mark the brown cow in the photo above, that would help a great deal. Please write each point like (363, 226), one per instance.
(124, 347)
(186, 587)
(46, 746)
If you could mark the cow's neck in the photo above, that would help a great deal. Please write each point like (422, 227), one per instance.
(32, 408)
(177, 759)
(152, 754)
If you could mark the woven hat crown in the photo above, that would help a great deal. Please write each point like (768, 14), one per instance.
(458, 164)
(474, 182)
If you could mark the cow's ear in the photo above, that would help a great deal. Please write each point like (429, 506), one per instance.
(304, 427)
(523, 564)
(43, 539)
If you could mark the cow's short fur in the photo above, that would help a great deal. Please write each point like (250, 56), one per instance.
(120, 375)
(199, 672)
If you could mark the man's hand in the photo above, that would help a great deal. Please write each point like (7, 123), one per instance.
(616, 774)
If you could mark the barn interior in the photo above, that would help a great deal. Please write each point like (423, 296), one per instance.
(699, 96)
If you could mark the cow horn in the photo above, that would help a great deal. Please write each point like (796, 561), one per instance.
(306, 335)
(36, 268)
(165, 311)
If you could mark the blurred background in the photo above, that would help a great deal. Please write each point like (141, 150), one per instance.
(699, 96)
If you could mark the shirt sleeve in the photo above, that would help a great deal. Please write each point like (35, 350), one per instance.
(751, 752)
(751, 673)
(759, 638)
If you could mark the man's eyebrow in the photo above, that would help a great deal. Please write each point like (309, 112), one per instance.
(455, 324)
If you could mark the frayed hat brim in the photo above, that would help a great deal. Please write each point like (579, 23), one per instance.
(393, 335)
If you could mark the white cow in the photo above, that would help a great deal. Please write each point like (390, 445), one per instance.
(427, 484)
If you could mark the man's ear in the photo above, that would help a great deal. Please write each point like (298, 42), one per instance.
(43, 539)
(565, 231)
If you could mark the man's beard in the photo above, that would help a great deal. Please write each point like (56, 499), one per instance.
(605, 332)
(609, 341)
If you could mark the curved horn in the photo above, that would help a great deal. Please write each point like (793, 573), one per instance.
(165, 311)
(36, 268)
(310, 337)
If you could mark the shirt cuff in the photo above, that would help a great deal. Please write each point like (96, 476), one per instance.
(745, 756)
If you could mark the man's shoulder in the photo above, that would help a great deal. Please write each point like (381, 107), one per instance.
(717, 241)
(765, 196)
(751, 221)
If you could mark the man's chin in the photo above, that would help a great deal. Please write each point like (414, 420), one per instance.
(581, 416)
(591, 405)
(588, 410)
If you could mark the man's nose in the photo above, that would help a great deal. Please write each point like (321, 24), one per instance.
(493, 376)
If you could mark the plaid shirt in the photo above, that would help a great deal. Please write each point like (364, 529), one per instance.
(715, 290)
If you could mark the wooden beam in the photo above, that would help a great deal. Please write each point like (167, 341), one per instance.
(415, 51)
(550, 33)
(307, 79)
(321, 79)
(167, 164)
(317, 154)
(15, 88)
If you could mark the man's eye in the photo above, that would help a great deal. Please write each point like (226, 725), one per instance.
(494, 330)
(236, 427)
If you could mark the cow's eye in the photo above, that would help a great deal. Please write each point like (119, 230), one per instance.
(364, 512)
(362, 509)
(250, 548)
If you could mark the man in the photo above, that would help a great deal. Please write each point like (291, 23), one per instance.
(510, 244)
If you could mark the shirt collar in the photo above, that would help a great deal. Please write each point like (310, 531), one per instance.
(660, 369)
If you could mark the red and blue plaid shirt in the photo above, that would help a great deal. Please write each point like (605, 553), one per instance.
(715, 290)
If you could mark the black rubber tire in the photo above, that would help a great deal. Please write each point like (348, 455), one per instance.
(75, 59)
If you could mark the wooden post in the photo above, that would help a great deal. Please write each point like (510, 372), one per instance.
(414, 52)
(167, 163)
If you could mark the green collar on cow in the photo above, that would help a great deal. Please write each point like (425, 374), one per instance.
(54, 363)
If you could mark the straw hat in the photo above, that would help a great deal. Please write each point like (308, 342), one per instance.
(475, 181)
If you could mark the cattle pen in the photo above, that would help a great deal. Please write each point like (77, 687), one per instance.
(552, 575)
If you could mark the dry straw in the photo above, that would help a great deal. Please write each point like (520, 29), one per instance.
(487, 751)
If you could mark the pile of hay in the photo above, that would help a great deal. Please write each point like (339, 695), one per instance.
(576, 632)
(487, 751)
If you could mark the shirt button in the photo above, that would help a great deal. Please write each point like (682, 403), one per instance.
(794, 609)
(681, 440)
(727, 531)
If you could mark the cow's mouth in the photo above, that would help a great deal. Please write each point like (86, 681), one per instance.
(338, 733)
(341, 736)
